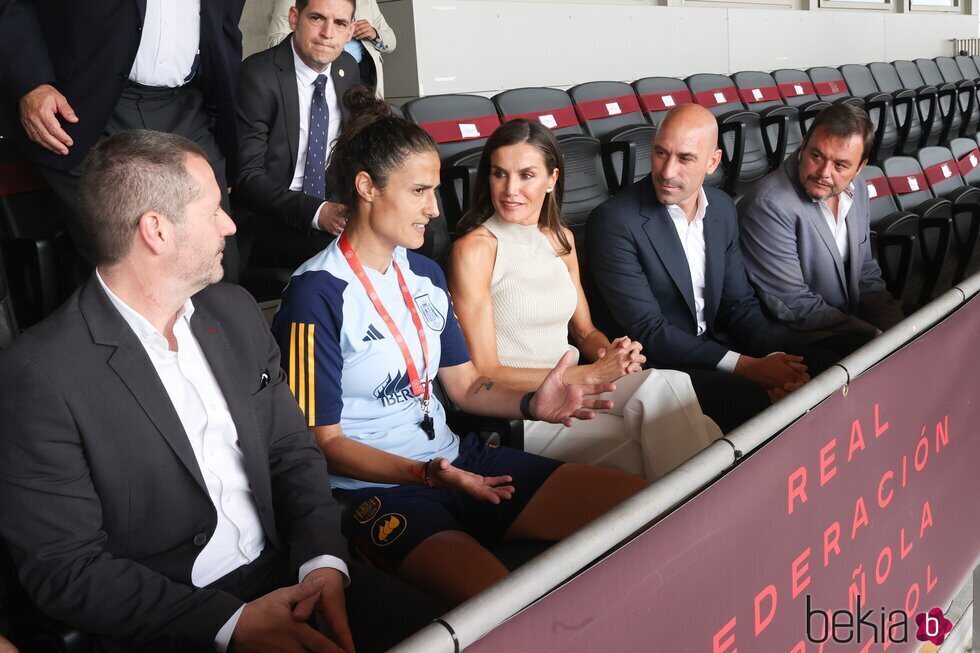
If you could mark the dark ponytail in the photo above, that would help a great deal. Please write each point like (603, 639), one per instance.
(375, 141)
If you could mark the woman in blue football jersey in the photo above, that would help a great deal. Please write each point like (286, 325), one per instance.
(364, 327)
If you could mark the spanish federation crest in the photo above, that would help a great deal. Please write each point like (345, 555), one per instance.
(432, 316)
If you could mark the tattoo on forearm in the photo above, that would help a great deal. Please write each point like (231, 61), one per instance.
(485, 384)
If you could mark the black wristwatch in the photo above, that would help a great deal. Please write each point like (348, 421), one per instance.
(526, 406)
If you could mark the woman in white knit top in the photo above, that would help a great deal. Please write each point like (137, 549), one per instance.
(515, 283)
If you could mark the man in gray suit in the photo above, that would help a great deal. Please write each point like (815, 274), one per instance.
(159, 485)
(805, 237)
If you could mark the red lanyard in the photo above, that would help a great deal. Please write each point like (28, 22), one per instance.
(413, 374)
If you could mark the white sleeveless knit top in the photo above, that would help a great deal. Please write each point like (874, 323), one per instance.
(533, 297)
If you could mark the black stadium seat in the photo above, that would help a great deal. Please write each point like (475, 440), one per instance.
(967, 156)
(894, 238)
(759, 93)
(460, 125)
(610, 111)
(550, 106)
(942, 120)
(911, 192)
(951, 98)
(952, 74)
(797, 90)
(942, 174)
(658, 95)
(914, 113)
(880, 108)
(831, 87)
(742, 144)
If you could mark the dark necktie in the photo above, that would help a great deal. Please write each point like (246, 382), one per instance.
(314, 175)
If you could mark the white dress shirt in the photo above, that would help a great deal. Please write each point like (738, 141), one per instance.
(238, 538)
(838, 223)
(169, 43)
(305, 76)
(691, 234)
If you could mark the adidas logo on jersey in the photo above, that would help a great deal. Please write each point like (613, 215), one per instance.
(372, 334)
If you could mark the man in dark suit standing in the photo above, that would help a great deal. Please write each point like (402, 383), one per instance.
(75, 72)
(665, 256)
(159, 485)
(290, 112)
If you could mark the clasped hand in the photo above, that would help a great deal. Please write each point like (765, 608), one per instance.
(276, 622)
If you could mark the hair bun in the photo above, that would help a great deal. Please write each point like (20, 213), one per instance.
(362, 102)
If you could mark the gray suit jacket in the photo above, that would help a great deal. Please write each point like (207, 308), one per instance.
(102, 501)
(793, 262)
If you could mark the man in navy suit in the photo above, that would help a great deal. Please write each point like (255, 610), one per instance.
(73, 73)
(664, 253)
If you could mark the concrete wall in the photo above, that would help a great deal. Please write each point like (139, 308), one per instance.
(485, 46)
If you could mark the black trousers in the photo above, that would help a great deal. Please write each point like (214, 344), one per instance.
(732, 400)
(177, 111)
(267, 573)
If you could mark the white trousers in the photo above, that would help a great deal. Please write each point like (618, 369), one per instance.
(655, 424)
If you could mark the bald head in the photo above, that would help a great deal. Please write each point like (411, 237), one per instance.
(685, 150)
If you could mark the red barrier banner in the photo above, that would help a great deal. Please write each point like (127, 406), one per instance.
(850, 531)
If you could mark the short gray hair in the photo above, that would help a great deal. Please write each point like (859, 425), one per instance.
(125, 176)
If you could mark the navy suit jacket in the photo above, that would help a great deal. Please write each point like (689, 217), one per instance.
(639, 266)
(86, 48)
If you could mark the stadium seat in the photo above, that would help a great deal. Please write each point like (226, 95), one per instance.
(585, 183)
(460, 125)
(952, 99)
(967, 156)
(797, 90)
(831, 86)
(952, 74)
(914, 113)
(942, 173)
(742, 143)
(39, 252)
(968, 68)
(781, 123)
(610, 111)
(880, 107)
(911, 192)
(936, 122)
(894, 238)
(658, 95)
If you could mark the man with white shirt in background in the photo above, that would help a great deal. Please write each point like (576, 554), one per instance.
(160, 489)
(371, 36)
(290, 111)
(806, 239)
(73, 73)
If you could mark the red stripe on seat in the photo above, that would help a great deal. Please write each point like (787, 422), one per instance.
(793, 89)
(550, 118)
(19, 178)
(878, 187)
(940, 172)
(832, 87)
(461, 129)
(665, 101)
(607, 107)
(969, 162)
(759, 94)
(716, 97)
(908, 184)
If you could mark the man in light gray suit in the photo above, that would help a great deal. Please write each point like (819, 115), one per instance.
(805, 236)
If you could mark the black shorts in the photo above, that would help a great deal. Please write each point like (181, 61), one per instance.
(387, 523)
